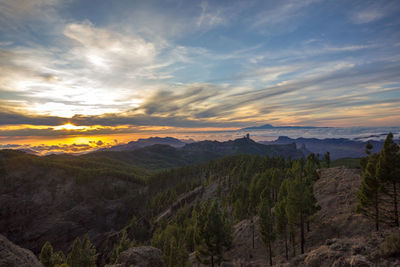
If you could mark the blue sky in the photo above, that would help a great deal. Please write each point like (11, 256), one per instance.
(139, 66)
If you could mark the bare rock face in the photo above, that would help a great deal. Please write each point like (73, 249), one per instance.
(141, 256)
(13, 255)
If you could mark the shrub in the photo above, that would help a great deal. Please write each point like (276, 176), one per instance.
(391, 246)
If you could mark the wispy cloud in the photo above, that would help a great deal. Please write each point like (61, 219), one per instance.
(372, 11)
(280, 15)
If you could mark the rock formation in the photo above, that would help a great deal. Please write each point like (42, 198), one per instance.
(12, 255)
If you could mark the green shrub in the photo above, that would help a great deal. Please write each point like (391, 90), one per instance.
(391, 246)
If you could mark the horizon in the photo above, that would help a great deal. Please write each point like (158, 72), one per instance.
(91, 144)
(93, 74)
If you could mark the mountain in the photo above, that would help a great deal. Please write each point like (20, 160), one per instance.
(269, 126)
(245, 145)
(147, 142)
(161, 156)
(155, 157)
(337, 147)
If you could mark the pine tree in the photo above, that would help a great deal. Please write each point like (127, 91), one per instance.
(171, 241)
(215, 234)
(266, 222)
(276, 180)
(388, 171)
(252, 204)
(300, 205)
(83, 253)
(368, 193)
(327, 159)
(311, 166)
(73, 258)
(281, 222)
(58, 259)
(46, 254)
(124, 244)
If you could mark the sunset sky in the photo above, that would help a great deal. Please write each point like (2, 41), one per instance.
(80, 74)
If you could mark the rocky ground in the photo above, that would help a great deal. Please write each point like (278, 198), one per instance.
(12, 255)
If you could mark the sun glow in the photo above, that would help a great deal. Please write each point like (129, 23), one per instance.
(70, 126)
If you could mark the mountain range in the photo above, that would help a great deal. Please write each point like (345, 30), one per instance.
(337, 147)
(197, 151)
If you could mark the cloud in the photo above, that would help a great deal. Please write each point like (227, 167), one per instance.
(10, 118)
(369, 12)
(25, 9)
(280, 15)
(97, 71)
(367, 16)
(209, 18)
(44, 149)
(209, 105)
(109, 50)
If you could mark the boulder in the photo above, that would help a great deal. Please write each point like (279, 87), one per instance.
(12, 255)
(145, 256)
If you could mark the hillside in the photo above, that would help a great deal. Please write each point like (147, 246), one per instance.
(59, 198)
(337, 236)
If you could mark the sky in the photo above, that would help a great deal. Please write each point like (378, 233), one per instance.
(83, 74)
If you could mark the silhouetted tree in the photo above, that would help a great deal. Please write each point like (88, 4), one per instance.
(327, 159)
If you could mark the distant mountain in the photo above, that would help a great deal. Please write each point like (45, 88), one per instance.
(154, 157)
(244, 146)
(162, 156)
(147, 142)
(337, 147)
(269, 126)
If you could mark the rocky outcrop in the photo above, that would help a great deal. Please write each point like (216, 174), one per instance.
(353, 252)
(141, 256)
(12, 255)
